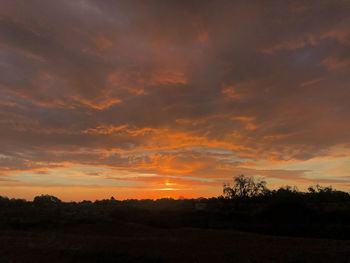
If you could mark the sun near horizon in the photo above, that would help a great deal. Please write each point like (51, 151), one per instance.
(152, 99)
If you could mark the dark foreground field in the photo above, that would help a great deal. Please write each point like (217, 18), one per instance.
(138, 243)
(281, 226)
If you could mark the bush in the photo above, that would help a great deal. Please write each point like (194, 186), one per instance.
(46, 201)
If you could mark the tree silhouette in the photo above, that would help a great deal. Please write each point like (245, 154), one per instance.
(46, 200)
(245, 187)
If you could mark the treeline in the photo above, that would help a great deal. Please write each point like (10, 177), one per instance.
(246, 205)
(244, 188)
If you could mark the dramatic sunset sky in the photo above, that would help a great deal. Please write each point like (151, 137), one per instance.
(148, 99)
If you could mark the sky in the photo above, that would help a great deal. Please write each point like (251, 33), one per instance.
(152, 99)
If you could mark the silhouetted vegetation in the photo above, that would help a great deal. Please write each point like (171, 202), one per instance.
(246, 205)
(245, 187)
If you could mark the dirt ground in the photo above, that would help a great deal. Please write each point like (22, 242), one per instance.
(138, 243)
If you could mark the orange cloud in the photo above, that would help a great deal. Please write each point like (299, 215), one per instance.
(170, 90)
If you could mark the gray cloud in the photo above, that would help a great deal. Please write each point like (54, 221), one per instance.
(261, 79)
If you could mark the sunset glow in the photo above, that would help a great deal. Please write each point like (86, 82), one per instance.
(152, 99)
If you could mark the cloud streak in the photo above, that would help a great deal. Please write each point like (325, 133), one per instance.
(185, 89)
